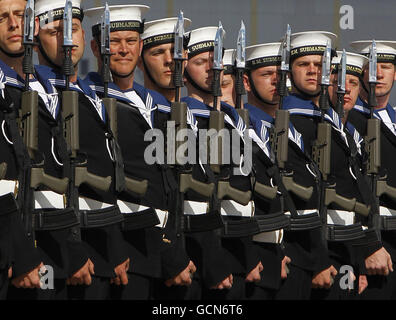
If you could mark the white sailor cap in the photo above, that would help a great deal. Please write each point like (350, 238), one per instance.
(52, 10)
(354, 63)
(263, 55)
(310, 43)
(386, 50)
(122, 17)
(201, 40)
(229, 61)
(162, 31)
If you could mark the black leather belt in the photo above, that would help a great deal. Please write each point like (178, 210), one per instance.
(305, 222)
(272, 222)
(100, 218)
(202, 222)
(345, 233)
(140, 220)
(239, 228)
(54, 219)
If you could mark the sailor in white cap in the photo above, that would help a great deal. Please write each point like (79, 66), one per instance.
(14, 243)
(380, 278)
(228, 82)
(261, 80)
(110, 257)
(306, 51)
(136, 112)
(156, 60)
(199, 78)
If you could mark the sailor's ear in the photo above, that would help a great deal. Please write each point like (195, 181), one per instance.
(36, 26)
(246, 82)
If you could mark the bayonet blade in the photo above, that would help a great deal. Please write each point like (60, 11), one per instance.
(218, 48)
(342, 73)
(373, 63)
(68, 24)
(241, 44)
(286, 50)
(28, 30)
(105, 31)
(179, 36)
(326, 64)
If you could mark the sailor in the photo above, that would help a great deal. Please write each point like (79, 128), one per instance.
(228, 81)
(97, 158)
(19, 258)
(380, 278)
(228, 262)
(261, 81)
(150, 241)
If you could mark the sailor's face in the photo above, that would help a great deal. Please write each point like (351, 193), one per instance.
(265, 80)
(385, 77)
(352, 86)
(51, 38)
(125, 47)
(228, 89)
(199, 68)
(159, 61)
(11, 25)
(307, 71)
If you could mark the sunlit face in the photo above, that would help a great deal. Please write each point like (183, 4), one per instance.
(307, 72)
(352, 86)
(199, 68)
(386, 75)
(51, 38)
(265, 81)
(228, 89)
(11, 25)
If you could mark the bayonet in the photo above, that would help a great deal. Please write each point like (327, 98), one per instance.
(341, 77)
(67, 24)
(241, 44)
(179, 35)
(105, 31)
(218, 48)
(286, 50)
(326, 64)
(373, 63)
(28, 30)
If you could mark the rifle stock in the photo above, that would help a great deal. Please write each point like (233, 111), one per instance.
(83, 176)
(265, 191)
(38, 177)
(224, 189)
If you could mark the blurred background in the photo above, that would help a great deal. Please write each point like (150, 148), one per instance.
(266, 20)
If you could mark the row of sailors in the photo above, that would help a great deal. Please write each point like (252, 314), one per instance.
(130, 238)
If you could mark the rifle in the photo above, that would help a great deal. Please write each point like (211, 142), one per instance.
(321, 150)
(132, 186)
(216, 124)
(179, 116)
(70, 117)
(33, 173)
(280, 133)
(372, 141)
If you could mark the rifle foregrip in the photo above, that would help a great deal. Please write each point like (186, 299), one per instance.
(384, 188)
(331, 196)
(372, 142)
(187, 182)
(281, 138)
(39, 177)
(98, 182)
(136, 186)
(362, 209)
(265, 191)
(3, 170)
(224, 189)
(304, 193)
